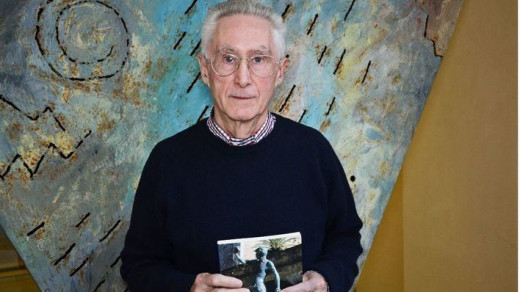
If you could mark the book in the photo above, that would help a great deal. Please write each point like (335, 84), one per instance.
(264, 264)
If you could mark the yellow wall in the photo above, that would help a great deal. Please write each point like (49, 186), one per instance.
(458, 186)
(383, 270)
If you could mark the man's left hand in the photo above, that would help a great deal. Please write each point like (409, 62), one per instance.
(312, 282)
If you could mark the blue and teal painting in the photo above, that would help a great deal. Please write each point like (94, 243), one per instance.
(88, 87)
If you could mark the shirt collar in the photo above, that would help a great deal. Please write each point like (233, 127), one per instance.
(264, 130)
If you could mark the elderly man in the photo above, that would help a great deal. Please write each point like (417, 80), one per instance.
(243, 172)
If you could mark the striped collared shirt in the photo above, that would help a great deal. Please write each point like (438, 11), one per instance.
(266, 128)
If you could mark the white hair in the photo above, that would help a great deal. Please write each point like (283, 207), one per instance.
(247, 7)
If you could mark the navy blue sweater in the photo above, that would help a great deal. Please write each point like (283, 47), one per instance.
(195, 190)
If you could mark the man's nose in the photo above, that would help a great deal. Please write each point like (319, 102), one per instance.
(243, 75)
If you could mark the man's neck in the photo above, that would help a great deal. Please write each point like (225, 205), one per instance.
(240, 129)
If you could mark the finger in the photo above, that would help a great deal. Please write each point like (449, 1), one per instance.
(213, 289)
(226, 281)
(302, 287)
(309, 275)
(312, 281)
(317, 280)
(221, 281)
(229, 290)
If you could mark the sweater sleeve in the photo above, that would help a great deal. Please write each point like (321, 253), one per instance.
(146, 261)
(342, 246)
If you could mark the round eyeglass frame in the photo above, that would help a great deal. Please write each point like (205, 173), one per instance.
(247, 59)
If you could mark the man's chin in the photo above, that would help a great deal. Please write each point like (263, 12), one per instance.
(242, 114)
(243, 118)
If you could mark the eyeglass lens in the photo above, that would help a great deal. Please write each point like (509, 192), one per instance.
(260, 65)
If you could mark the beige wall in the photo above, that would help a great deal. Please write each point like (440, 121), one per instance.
(458, 186)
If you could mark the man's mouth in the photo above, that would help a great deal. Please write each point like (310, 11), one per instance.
(242, 96)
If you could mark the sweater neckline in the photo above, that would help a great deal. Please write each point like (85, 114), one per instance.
(268, 141)
(264, 131)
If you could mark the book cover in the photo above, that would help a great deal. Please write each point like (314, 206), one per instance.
(264, 264)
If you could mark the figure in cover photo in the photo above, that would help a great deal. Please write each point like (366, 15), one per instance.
(261, 265)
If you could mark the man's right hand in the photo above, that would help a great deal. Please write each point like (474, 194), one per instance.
(216, 282)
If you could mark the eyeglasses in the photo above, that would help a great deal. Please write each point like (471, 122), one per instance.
(263, 66)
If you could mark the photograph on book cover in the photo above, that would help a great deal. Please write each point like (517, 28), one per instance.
(264, 264)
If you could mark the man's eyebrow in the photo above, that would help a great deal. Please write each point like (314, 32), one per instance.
(226, 49)
(262, 50)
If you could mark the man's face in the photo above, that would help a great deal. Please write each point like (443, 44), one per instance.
(241, 96)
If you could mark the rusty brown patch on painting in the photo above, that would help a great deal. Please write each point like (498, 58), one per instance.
(105, 124)
(325, 125)
(438, 27)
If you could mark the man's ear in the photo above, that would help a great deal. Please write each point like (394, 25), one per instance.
(204, 73)
(281, 73)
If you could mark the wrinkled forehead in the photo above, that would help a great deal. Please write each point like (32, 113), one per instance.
(227, 49)
(243, 35)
